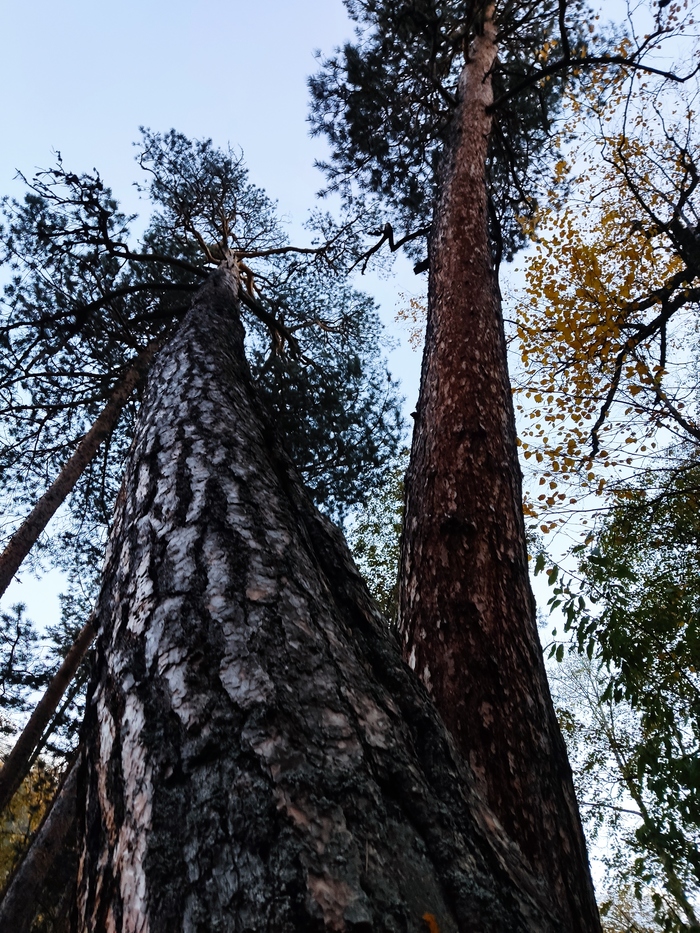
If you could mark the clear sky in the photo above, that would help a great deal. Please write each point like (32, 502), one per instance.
(81, 77)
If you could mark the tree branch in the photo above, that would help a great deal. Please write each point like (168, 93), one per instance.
(585, 61)
(387, 236)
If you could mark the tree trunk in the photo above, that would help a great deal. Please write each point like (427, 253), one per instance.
(467, 614)
(24, 539)
(258, 756)
(17, 764)
(44, 880)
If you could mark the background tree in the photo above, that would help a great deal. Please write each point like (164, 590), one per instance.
(607, 327)
(623, 913)
(339, 406)
(28, 663)
(635, 613)
(21, 819)
(375, 540)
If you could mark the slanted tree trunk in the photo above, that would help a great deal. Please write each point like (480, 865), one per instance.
(17, 764)
(258, 757)
(26, 536)
(467, 614)
(44, 880)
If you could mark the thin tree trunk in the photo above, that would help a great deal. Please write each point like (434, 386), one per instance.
(258, 756)
(16, 765)
(28, 532)
(467, 614)
(49, 863)
(630, 777)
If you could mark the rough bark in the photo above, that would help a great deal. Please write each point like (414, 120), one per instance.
(259, 758)
(16, 765)
(24, 539)
(47, 872)
(467, 614)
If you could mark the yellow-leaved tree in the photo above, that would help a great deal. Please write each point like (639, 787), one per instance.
(607, 324)
(606, 331)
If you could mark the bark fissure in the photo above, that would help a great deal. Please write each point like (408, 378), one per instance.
(259, 756)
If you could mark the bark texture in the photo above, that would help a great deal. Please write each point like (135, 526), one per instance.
(16, 766)
(259, 758)
(467, 614)
(24, 539)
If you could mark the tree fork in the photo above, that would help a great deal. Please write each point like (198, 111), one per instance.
(257, 754)
(467, 614)
(28, 532)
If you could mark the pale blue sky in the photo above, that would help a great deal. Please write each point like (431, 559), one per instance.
(81, 77)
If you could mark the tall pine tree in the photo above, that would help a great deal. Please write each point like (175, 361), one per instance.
(466, 94)
(257, 755)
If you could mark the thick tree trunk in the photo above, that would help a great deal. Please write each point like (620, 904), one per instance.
(467, 614)
(258, 756)
(26, 536)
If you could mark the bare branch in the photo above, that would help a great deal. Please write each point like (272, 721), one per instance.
(587, 61)
(387, 236)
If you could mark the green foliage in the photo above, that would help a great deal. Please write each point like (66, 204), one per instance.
(644, 571)
(21, 669)
(375, 539)
(204, 202)
(620, 811)
(638, 616)
(343, 398)
(402, 72)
